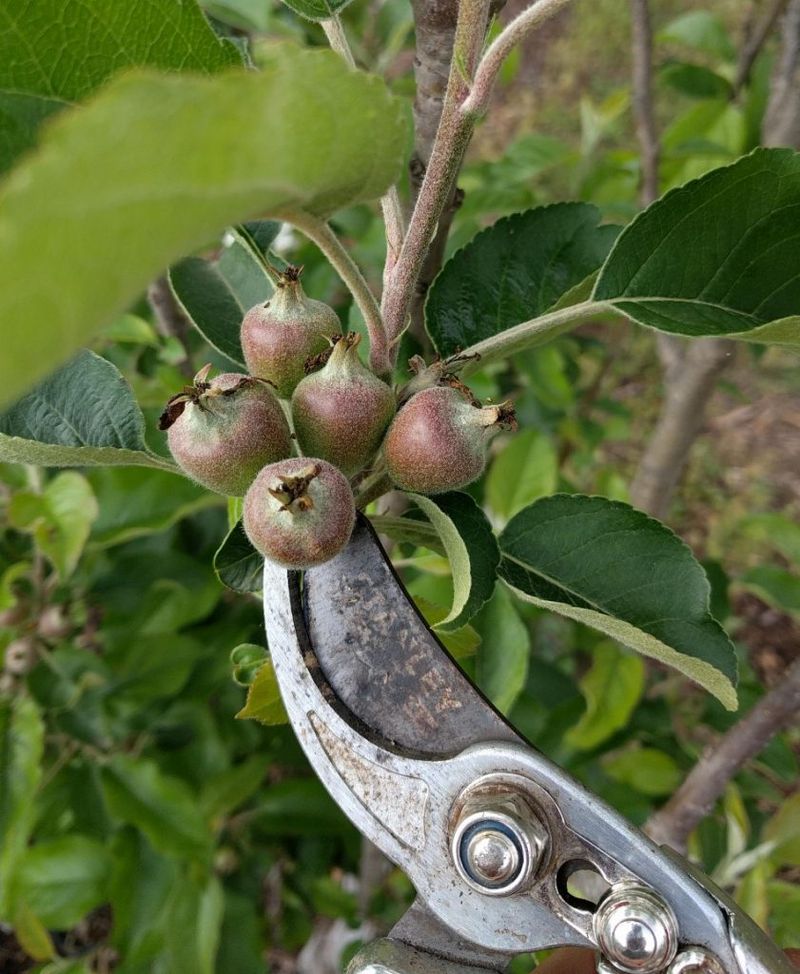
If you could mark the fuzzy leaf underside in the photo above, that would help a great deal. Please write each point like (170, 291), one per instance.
(139, 177)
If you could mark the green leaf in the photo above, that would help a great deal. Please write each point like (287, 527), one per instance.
(82, 415)
(703, 31)
(646, 769)
(231, 788)
(460, 643)
(264, 702)
(134, 503)
(784, 901)
(167, 177)
(21, 749)
(514, 271)
(696, 81)
(738, 273)
(784, 830)
(237, 563)
(32, 934)
(775, 585)
(525, 470)
(612, 687)
(777, 530)
(411, 530)
(62, 879)
(51, 56)
(155, 665)
(162, 807)
(501, 668)
(623, 573)
(71, 511)
(471, 549)
(193, 915)
(317, 9)
(216, 296)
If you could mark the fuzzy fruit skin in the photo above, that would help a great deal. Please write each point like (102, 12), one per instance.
(341, 412)
(278, 336)
(294, 536)
(438, 441)
(223, 444)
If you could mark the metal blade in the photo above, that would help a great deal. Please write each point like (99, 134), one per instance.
(381, 660)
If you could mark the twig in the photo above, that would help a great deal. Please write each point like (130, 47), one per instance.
(755, 43)
(782, 118)
(646, 132)
(373, 487)
(338, 39)
(687, 388)
(321, 234)
(465, 101)
(778, 708)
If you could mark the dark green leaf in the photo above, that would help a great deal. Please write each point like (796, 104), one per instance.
(699, 262)
(21, 749)
(514, 271)
(62, 879)
(231, 788)
(317, 9)
(775, 585)
(696, 81)
(501, 668)
(162, 807)
(82, 415)
(52, 56)
(237, 563)
(623, 573)
(612, 687)
(471, 549)
(171, 165)
(193, 915)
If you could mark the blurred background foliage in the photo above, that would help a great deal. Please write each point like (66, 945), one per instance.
(152, 831)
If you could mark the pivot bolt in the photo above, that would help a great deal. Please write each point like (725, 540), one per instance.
(696, 960)
(636, 930)
(497, 846)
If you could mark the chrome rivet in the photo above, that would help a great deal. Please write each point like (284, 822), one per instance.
(696, 960)
(636, 930)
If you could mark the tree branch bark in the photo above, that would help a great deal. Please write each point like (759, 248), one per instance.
(755, 43)
(642, 70)
(782, 118)
(778, 708)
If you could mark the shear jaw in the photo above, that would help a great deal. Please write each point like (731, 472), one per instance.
(488, 836)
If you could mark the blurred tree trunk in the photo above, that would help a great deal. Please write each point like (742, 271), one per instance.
(691, 368)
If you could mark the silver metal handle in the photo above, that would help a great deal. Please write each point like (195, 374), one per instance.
(392, 957)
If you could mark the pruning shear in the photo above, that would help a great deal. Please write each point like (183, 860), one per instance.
(491, 833)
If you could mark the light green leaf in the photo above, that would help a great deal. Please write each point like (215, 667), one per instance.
(471, 549)
(237, 563)
(72, 509)
(32, 933)
(21, 749)
(775, 585)
(695, 80)
(783, 829)
(134, 502)
(646, 769)
(408, 529)
(82, 415)
(52, 56)
(502, 664)
(703, 31)
(130, 329)
(264, 702)
(737, 270)
(193, 922)
(623, 573)
(166, 177)
(162, 807)
(514, 271)
(777, 530)
(62, 879)
(317, 9)
(784, 901)
(612, 687)
(460, 643)
(524, 471)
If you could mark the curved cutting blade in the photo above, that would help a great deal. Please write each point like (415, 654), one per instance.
(382, 661)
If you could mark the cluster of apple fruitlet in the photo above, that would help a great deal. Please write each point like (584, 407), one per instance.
(231, 433)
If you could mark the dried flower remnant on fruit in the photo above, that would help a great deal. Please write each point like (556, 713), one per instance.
(222, 432)
(438, 439)
(341, 412)
(299, 512)
(280, 335)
